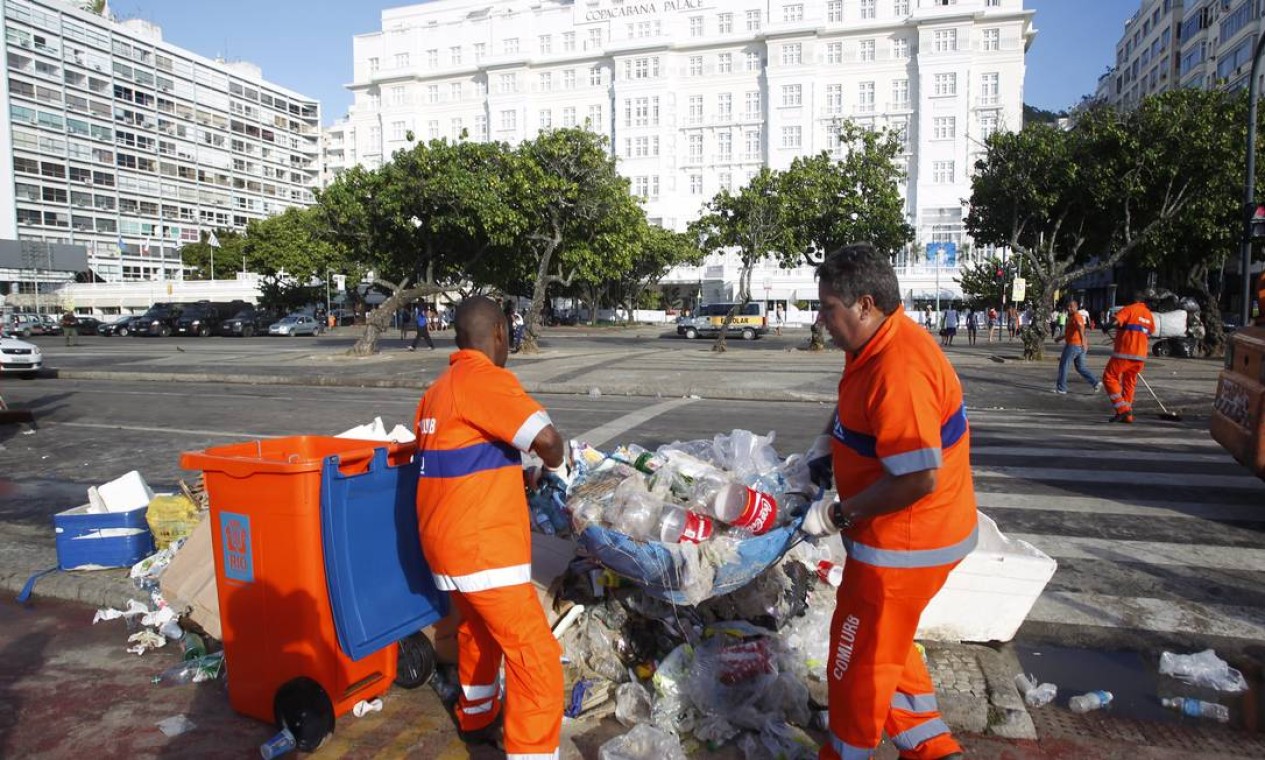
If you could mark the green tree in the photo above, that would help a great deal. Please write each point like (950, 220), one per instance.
(985, 283)
(199, 256)
(655, 253)
(292, 243)
(755, 222)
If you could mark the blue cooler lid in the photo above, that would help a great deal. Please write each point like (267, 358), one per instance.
(380, 587)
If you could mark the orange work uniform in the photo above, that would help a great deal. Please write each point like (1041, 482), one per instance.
(900, 412)
(472, 426)
(1134, 323)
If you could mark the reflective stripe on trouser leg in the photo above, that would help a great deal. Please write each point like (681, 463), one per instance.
(872, 654)
(533, 700)
(913, 705)
(478, 668)
(1129, 381)
(911, 738)
(1112, 380)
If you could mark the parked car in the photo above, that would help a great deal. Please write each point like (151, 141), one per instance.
(88, 325)
(204, 318)
(122, 327)
(296, 324)
(51, 323)
(160, 320)
(17, 357)
(247, 322)
(22, 325)
(748, 322)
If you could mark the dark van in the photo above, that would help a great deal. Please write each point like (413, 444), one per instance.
(159, 321)
(204, 318)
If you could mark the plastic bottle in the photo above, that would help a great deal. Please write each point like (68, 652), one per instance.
(743, 507)
(1033, 694)
(205, 668)
(1094, 700)
(1197, 708)
(281, 744)
(677, 525)
(829, 572)
(636, 514)
(193, 645)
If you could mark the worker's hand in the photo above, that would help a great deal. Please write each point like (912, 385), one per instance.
(818, 520)
(557, 478)
(821, 468)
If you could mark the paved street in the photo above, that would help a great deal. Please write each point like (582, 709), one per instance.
(1156, 530)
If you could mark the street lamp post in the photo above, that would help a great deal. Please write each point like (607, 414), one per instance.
(1249, 184)
(939, 253)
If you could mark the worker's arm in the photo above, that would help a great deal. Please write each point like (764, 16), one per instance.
(891, 493)
(550, 447)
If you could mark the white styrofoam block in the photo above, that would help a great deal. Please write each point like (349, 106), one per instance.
(1171, 324)
(990, 593)
(123, 494)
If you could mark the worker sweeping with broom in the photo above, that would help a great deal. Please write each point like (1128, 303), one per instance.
(1134, 324)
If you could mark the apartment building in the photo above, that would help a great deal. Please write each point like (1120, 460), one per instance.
(129, 146)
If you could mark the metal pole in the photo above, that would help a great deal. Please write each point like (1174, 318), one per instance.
(1249, 185)
(327, 308)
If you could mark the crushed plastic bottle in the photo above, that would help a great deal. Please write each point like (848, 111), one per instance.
(281, 744)
(205, 668)
(1094, 700)
(1035, 695)
(830, 573)
(1197, 708)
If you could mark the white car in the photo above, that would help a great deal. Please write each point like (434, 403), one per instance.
(296, 324)
(17, 357)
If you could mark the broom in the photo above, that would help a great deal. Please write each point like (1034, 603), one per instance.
(1167, 415)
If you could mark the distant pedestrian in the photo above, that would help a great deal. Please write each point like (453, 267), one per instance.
(70, 328)
(927, 319)
(1061, 323)
(972, 325)
(1075, 343)
(950, 326)
(779, 319)
(1012, 320)
(994, 324)
(423, 333)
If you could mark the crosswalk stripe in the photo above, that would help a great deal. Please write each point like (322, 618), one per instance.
(1123, 443)
(1095, 506)
(1099, 429)
(1149, 614)
(1081, 453)
(1119, 477)
(1147, 552)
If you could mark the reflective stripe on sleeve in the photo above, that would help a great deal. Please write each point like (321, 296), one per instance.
(497, 577)
(479, 692)
(526, 434)
(909, 740)
(915, 703)
(850, 751)
(910, 558)
(1130, 357)
(912, 461)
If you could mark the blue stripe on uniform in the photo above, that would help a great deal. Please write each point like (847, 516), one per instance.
(867, 445)
(456, 463)
(1136, 328)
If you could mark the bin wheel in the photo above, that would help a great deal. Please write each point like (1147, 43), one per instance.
(417, 661)
(1161, 348)
(303, 706)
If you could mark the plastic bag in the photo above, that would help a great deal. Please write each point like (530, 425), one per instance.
(1202, 669)
(733, 668)
(171, 517)
(778, 741)
(645, 742)
(672, 711)
(632, 704)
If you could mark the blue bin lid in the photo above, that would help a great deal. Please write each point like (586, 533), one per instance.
(380, 587)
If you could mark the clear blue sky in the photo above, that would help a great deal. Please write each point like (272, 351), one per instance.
(306, 45)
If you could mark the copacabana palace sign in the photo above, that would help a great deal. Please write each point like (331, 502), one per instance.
(635, 9)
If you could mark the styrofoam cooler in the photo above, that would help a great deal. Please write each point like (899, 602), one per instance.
(87, 540)
(990, 593)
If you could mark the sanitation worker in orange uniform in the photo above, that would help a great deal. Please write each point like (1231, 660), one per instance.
(473, 425)
(899, 449)
(1134, 324)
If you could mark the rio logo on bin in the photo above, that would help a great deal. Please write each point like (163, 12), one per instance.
(235, 540)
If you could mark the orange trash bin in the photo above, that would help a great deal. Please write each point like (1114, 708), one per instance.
(278, 629)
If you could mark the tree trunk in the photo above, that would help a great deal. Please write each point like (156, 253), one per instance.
(379, 320)
(1034, 335)
(816, 338)
(531, 320)
(1213, 343)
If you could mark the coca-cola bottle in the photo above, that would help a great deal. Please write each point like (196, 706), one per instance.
(679, 526)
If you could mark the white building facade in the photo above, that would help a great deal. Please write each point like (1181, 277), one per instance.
(697, 95)
(120, 142)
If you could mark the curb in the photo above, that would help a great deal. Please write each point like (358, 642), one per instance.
(334, 381)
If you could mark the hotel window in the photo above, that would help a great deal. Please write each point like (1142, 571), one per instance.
(753, 105)
(834, 11)
(865, 50)
(595, 76)
(545, 118)
(753, 145)
(792, 95)
(643, 29)
(568, 42)
(568, 116)
(510, 45)
(595, 40)
(696, 147)
(454, 55)
(868, 9)
(992, 39)
(725, 23)
(754, 21)
(642, 68)
(987, 124)
(696, 109)
(401, 60)
(595, 116)
(696, 184)
(432, 58)
(568, 79)
(545, 42)
(946, 40)
(726, 181)
(990, 88)
(900, 49)
(397, 96)
(397, 130)
(507, 83)
(373, 65)
(696, 66)
(900, 93)
(725, 106)
(432, 93)
(545, 81)
(834, 98)
(902, 8)
(454, 92)
(480, 51)
(943, 128)
(696, 26)
(725, 63)
(793, 12)
(509, 119)
(725, 146)
(481, 126)
(945, 84)
(865, 97)
(456, 127)
(752, 60)
(792, 137)
(432, 128)
(834, 142)
(834, 52)
(792, 54)
(942, 172)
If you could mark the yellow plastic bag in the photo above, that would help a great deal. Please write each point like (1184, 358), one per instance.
(171, 517)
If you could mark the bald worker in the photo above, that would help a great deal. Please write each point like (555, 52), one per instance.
(472, 426)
